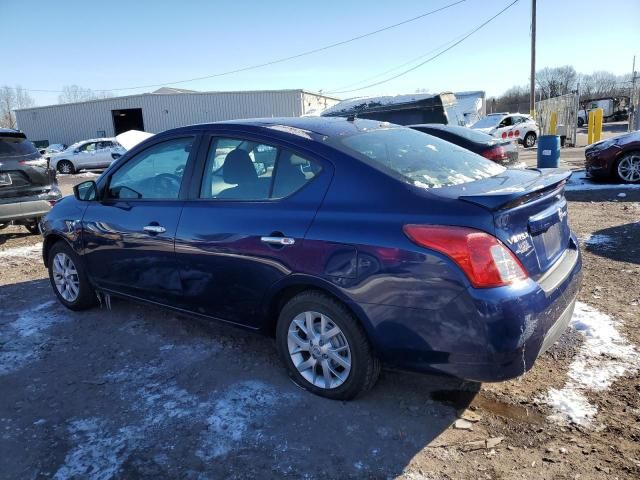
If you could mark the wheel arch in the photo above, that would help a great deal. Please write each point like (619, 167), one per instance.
(286, 289)
(49, 241)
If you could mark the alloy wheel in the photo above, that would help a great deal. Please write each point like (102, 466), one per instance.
(629, 168)
(65, 277)
(64, 167)
(529, 141)
(319, 350)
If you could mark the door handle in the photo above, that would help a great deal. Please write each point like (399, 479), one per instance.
(281, 241)
(154, 228)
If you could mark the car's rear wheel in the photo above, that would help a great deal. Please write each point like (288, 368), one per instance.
(69, 279)
(65, 166)
(529, 140)
(628, 168)
(325, 348)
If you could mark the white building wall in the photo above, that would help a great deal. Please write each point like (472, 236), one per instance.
(69, 123)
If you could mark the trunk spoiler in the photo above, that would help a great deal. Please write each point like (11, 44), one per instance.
(514, 190)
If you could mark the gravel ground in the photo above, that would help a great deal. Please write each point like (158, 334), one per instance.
(139, 392)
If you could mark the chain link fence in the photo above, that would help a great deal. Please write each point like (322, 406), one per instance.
(566, 108)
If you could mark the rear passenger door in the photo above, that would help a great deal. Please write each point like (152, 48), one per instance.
(242, 230)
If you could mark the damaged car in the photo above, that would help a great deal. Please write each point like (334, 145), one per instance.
(354, 243)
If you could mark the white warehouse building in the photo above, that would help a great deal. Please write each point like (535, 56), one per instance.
(161, 110)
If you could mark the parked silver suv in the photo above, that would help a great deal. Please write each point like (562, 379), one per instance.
(87, 154)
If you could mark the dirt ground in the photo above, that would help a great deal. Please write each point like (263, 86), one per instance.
(138, 392)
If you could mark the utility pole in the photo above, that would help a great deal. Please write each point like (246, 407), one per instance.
(532, 87)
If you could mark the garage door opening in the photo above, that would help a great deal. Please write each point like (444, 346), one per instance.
(129, 119)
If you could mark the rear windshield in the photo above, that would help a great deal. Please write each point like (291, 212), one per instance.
(486, 122)
(15, 147)
(418, 158)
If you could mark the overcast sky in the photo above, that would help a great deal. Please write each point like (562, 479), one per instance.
(116, 44)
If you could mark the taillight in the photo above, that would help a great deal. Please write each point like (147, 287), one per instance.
(482, 257)
(495, 154)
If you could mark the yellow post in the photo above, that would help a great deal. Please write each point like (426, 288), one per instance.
(597, 128)
(554, 123)
(590, 127)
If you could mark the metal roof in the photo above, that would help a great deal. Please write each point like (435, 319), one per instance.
(182, 94)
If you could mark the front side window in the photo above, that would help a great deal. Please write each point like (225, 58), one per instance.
(88, 147)
(422, 160)
(155, 173)
(246, 170)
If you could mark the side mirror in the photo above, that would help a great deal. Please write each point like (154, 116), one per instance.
(86, 191)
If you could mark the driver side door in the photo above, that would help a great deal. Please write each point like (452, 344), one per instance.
(129, 233)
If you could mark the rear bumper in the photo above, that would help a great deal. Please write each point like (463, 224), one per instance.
(23, 208)
(483, 335)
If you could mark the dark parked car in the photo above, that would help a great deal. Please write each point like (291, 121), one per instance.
(500, 151)
(361, 243)
(28, 186)
(617, 158)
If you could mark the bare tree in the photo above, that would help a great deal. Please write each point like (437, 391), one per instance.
(10, 99)
(602, 84)
(75, 93)
(557, 81)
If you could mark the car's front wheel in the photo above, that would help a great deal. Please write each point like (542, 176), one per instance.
(69, 279)
(325, 348)
(65, 167)
(529, 140)
(628, 168)
(33, 226)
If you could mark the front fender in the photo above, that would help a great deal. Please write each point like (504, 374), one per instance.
(63, 222)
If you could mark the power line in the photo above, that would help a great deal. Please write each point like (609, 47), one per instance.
(482, 25)
(397, 67)
(279, 60)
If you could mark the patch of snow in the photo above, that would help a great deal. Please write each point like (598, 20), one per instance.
(598, 239)
(27, 251)
(579, 181)
(86, 174)
(26, 335)
(234, 413)
(604, 356)
(98, 452)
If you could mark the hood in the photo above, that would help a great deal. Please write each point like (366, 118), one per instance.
(132, 138)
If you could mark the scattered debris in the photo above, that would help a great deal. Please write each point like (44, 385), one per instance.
(471, 416)
(462, 424)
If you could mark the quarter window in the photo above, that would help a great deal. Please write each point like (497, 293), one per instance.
(246, 170)
(155, 173)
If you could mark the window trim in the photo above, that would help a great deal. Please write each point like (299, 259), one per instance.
(205, 145)
(187, 176)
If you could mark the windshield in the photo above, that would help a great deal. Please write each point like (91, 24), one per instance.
(417, 158)
(16, 147)
(486, 122)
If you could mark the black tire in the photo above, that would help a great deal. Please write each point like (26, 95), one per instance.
(529, 140)
(580, 122)
(365, 366)
(65, 167)
(34, 227)
(86, 297)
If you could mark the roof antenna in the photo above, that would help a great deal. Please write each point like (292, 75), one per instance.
(352, 117)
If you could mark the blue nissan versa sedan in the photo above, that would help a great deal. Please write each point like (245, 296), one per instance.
(355, 242)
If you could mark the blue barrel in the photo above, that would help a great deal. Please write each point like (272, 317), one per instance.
(548, 151)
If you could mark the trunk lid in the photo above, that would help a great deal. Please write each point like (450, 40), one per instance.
(529, 213)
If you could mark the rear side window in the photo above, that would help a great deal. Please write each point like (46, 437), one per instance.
(245, 170)
(422, 160)
(16, 147)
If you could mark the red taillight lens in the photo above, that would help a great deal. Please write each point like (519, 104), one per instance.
(495, 154)
(482, 257)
